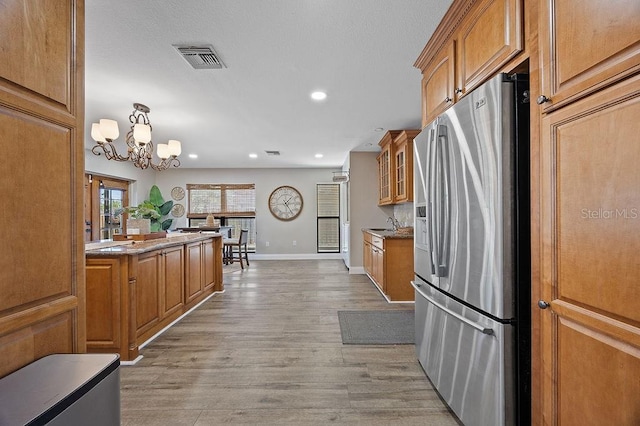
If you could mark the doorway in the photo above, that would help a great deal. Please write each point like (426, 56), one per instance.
(104, 199)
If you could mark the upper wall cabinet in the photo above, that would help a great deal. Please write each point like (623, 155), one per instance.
(474, 40)
(438, 84)
(586, 45)
(395, 167)
(385, 165)
(403, 166)
(488, 37)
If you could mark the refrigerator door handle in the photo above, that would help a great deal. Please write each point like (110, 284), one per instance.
(445, 201)
(480, 328)
(431, 173)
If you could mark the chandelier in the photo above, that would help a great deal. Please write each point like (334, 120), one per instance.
(138, 141)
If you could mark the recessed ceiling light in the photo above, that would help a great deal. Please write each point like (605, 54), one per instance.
(378, 129)
(193, 155)
(319, 155)
(318, 96)
(253, 155)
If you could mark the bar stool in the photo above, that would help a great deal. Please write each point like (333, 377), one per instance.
(241, 244)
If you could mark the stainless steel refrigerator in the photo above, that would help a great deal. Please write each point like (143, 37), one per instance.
(472, 253)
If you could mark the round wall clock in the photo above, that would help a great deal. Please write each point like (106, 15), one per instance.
(285, 203)
(177, 193)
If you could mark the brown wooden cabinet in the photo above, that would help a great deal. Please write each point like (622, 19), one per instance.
(194, 282)
(438, 83)
(403, 166)
(202, 270)
(388, 261)
(591, 236)
(131, 297)
(472, 43)
(159, 287)
(385, 166)
(42, 285)
(585, 46)
(488, 37)
(395, 167)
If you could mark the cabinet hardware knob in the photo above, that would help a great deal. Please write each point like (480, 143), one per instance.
(542, 99)
(447, 99)
(542, 304)
(458, 91)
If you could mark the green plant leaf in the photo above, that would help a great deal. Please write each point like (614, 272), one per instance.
(155, 197)
(166, 224)
(166, 208)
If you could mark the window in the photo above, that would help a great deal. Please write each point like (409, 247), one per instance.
(328, 196)
(231, 204)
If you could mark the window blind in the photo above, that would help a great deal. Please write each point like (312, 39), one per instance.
(221, 200)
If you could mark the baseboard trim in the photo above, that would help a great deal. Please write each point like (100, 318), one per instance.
(357, 270)
(292, 256)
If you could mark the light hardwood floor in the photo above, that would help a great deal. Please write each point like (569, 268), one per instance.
(268, 352)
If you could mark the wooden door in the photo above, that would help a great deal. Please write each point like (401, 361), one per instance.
(42, 308)
(591, 259)
(586, 45)
(489, 37)
(438, 84)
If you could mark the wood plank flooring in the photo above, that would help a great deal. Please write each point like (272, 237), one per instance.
(268, 352)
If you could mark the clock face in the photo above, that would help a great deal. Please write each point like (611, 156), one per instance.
(285, 203)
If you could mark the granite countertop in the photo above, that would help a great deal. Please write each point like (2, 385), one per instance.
(387, 233)
(119, 248)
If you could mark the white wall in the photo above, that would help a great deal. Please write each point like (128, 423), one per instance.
(279, 234)
(363, 204)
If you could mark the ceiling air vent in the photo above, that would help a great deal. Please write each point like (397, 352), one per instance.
(273, 152)
(200, 57)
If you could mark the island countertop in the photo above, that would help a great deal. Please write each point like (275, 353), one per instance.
(387, 233)
(119, 248)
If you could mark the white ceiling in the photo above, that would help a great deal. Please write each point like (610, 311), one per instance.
(276, 52)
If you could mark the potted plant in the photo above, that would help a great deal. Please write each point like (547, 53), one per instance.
(148, 215)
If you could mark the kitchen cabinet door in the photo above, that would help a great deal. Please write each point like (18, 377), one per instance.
(367, 252)
(488, 38)
(42, 275)
(385, 195)
(438, 84)
(193, 272)
(173, 281)
(590, 218)
(403, 166)
(147, 296)
(586, 45)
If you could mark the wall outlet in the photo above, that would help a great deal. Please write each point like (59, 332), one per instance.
(266, 243)
(295, 242)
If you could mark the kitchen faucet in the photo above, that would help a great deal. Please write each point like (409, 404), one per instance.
(394, 223)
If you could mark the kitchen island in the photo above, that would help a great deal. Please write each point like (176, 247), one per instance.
(388, 261)
(135, 289)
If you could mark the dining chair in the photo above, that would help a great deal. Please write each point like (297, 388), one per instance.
(229, 249)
